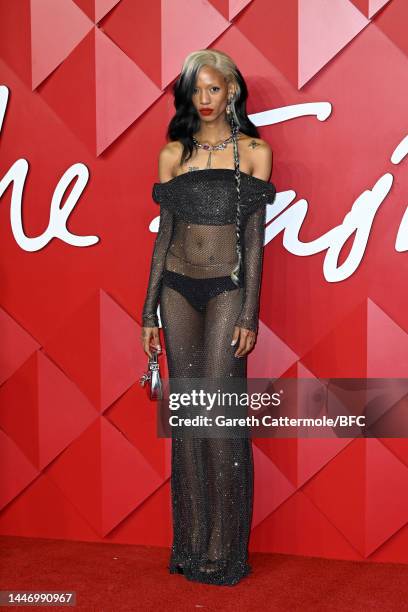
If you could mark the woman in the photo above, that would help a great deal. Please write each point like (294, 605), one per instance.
(206, 272)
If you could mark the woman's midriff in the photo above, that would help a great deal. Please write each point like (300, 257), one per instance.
(202, 251)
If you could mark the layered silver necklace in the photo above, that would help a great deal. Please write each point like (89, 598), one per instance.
(211, 148)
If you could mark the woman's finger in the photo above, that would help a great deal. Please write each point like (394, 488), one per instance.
(235, 335)
(247, 343)
(250, 342)
(146, 339)
(155, 339)
(242, 342)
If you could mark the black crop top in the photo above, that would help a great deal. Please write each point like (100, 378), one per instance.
(197, 234)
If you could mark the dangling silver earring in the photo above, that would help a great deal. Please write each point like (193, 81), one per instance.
(228, 109)
(230, 116)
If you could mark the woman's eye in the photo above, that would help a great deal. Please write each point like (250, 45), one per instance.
(215, 88)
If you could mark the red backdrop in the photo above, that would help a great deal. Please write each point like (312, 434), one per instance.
(87, 82)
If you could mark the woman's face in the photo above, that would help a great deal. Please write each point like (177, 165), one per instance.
(210, 94)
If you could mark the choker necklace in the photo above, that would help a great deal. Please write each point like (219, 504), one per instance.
(211, 148)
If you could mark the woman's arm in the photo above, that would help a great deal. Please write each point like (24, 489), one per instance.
(254, 236)
(253, 246)
(149, 315)
(150, 322)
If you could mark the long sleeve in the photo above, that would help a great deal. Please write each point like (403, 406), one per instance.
(163, 238)
(253, 239)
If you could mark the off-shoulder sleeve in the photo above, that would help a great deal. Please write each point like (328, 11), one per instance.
(158, 192)
(253, 248)
(162, 193)
(256, 192)
(163, 238)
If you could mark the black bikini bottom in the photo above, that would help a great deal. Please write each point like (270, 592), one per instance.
(197, 290)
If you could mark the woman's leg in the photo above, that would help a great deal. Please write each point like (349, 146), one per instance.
(228, 460)
(212, 478)
(183, 329)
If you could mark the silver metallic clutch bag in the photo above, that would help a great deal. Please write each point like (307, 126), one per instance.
(152, 378)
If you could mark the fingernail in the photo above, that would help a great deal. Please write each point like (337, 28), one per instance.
(233, 343)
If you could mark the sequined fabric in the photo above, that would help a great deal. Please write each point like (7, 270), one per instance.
(211, 479)
(197, 234)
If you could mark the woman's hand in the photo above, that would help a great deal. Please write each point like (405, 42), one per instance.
(150, 340)
(247, 339)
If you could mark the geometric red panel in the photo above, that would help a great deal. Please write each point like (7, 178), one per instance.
(300, 459)
(392, 21)
(186, 27)
(102, 7)
(398, 446)
(298, 527)
(113, 91)
(387, 345)
(136, 416)
(96, 9)
(139, 38)
(271, 356)
(123, 91)
(74, 80)
(43, 511)
(98, 348)
(15, 38)
(322, 358)
(52, 408)
(283, 454)
(369, 7)
(325, 28)
(387, 494)
(16, 345)
(314, 454)
(230, 8)
(314, 33)
(395, 549)
(258, 21)
(271, 488)
(16, 470)
(155, 510)
(104, 476)
(339, 492)
(56, 28)
(363, 492)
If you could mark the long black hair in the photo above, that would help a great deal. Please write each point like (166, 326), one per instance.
(186, 121)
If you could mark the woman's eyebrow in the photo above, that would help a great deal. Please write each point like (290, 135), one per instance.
(211, 85)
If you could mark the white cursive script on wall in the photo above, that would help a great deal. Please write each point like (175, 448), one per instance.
(57, 226)
(281, 218)
(284, 215)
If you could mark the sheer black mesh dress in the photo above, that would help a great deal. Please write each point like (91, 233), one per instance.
(193, 257)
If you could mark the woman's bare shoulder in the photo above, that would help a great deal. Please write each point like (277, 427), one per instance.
(171, 148)
(257, 155)
(254, 143)
(169, 158)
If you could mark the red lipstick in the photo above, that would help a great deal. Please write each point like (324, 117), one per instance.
(206, 111)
